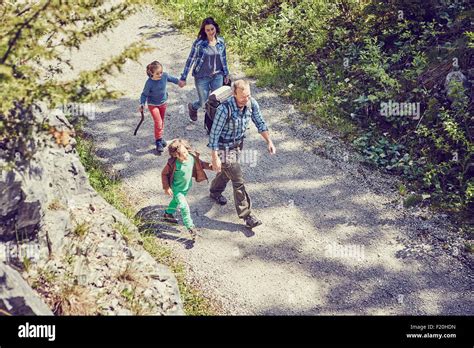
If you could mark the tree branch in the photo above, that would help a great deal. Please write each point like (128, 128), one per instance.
(13, 41)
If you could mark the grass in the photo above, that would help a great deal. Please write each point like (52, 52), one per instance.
(55, 205)
(131, 274)
(73, 300)
(44, 278)
(81, 229)
(26, 264)
(124, 231)
(267, 73)
(412, 200)
(109, 187)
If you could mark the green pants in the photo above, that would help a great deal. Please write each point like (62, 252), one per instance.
(179, 201)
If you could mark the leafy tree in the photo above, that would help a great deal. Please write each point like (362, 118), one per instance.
(33, 39)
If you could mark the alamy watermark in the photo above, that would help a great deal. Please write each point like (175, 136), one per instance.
(87, 110)
(243, 157)
(351, 251)
(10, 253)
(392, 108)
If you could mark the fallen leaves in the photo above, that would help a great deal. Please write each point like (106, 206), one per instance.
(62, 137)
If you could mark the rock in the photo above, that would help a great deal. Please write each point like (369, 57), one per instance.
(114, 303)
(57, 224)
(20, 212)
(94, 257)
(124, 311)
(104, 251)
(16, 296)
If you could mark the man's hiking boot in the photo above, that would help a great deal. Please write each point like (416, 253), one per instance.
(251, 221)
(170, 218)
(220, 199)
(159, 147)
(193, 114)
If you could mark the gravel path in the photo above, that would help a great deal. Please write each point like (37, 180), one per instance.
(334, 238)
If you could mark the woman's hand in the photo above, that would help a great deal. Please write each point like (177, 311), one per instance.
(271, 147)
(168, 191)
(181, 83)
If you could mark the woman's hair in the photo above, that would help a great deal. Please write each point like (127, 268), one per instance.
(202, 32)
(151, 68)
(177, 147)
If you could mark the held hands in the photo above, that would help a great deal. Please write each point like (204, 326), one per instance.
(168, 191)
(216, 164)
(181, 83)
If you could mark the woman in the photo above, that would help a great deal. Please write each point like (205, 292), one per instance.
(208, 55)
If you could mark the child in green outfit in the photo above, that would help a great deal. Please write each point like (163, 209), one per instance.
(183, 165)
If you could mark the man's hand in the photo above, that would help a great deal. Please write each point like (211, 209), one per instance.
(216, 162)
(181, 83)
(271, 148)
(168, 191)
(140, 109)
(226, 80)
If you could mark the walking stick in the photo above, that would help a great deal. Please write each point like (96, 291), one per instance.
(139, 123)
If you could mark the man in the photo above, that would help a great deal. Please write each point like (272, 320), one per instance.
(226, 141)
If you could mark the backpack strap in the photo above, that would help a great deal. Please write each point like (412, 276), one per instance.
(227, 106)
(233, 121)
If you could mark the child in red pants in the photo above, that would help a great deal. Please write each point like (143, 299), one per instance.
(155, 95)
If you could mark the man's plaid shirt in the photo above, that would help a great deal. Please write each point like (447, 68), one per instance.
(222, 132)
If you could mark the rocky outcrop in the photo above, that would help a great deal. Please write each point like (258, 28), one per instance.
(70, 243)
(17, 297)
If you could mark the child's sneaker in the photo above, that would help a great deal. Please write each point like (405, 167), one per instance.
(159, 146)
(193, 114)
(170, 218)
(251, 221)
(193, 232)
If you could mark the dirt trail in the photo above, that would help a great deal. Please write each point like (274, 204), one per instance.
(332, 240)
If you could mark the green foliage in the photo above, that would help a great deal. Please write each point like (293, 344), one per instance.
(344, 58)
(26, 264)
(402, 190)
(98, 177)
(412, 200)
(33, 39)
(81, 229)
(382, 152)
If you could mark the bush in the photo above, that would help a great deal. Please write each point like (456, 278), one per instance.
(349, 61)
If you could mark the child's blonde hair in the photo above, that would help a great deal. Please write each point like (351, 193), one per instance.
(177, 147)
(151, 68)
